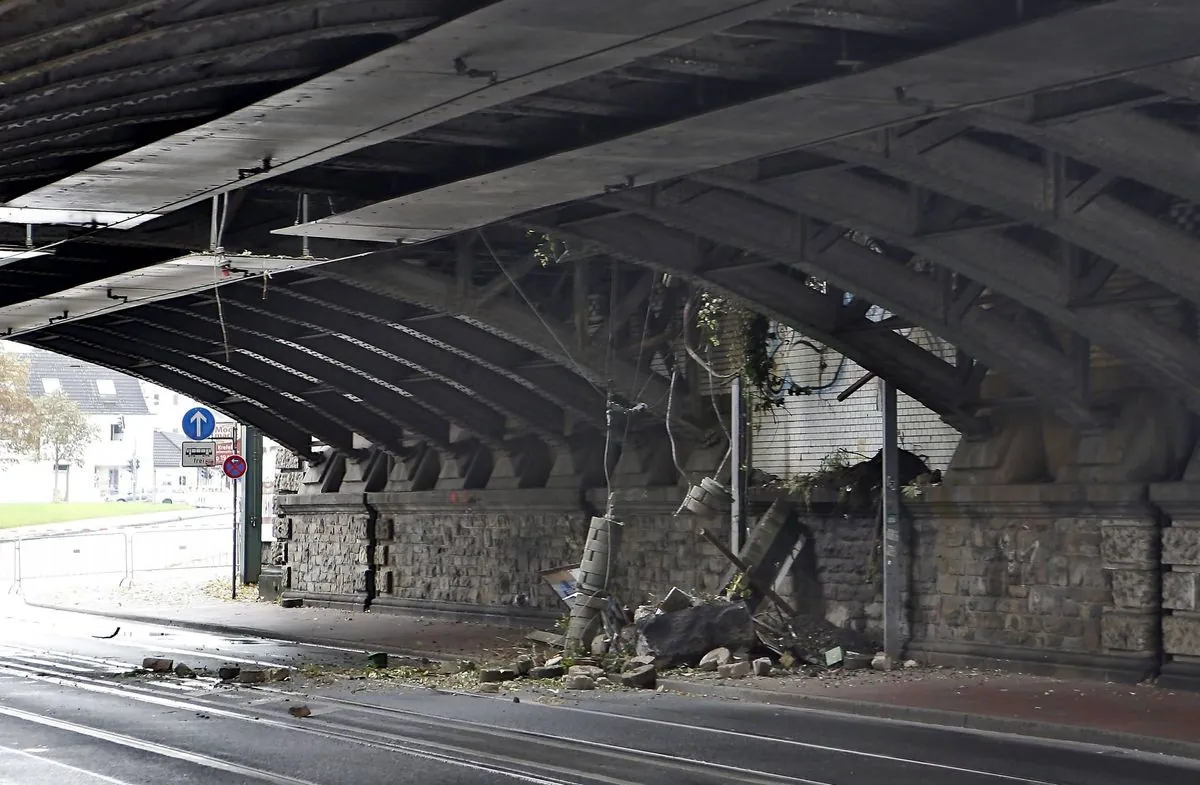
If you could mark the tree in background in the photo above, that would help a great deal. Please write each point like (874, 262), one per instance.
(64, 434)
(19, 430)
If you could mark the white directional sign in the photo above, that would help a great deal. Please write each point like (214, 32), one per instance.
(198, 423)
(199, 454)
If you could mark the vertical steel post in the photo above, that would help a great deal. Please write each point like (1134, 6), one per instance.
(737, 470)
(892, 580)
(252, 448)
(234, 555)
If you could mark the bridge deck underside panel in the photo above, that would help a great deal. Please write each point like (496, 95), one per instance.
(1023, 189)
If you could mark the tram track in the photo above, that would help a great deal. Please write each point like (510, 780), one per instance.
(514, 754)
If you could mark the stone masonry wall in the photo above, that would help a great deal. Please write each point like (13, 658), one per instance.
(323, 544)
(484, 549)
(1038, 573)
(492, 549)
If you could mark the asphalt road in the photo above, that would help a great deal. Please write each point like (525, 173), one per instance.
(67, 719)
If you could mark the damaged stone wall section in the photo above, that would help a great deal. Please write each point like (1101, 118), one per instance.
(479, 550)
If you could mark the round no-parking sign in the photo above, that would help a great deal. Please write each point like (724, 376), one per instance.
(235, 467)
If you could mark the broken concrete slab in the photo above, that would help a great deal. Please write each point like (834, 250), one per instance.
(228, 673)
(579, 681)
(251, 677)
(715, 659)
(676, 600)
(158, 664)
(492, 675)
(881, 662)
(300, 712)
(591, 671)
(599, 645)
(734, 670)
(184, 672)
(762, 666)
(489, 687)
(641, 677)
(291, 602)
(548, 638)
(546, 672)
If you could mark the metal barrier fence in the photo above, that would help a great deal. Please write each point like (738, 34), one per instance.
(120, 555)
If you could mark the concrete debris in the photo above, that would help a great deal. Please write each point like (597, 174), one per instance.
(251, 677)
(591, 671)
(644, 612)
(642, 659)
(881, 662)
(184, 672)
(910, 664)
(641, 677)
(491, 675)
(734, 670)
(676, 600)
(715, 659)
(555, 660)
(378, 659)
(489, 687)
(300, 711)
(855, 661)
(523, 664)
(228, 673)
(604, 681)
(456, 667)
(685, 636)
(834, 656)
(158, 665)
(600, 645)
(579, 681)
(281, 674)
(548, 638)
(763, 666)
(291, 602)
(546, 672)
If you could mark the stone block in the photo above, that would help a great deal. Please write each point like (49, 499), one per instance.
(1181, 591)
(1181, 634)
(1128, 545)
(1135, 589)
(1128, 631)
(282, 528)
(1181, 545)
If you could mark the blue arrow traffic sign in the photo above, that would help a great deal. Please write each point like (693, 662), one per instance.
(198, 423)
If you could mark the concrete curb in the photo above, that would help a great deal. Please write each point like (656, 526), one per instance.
(943, 718)
(234, 630)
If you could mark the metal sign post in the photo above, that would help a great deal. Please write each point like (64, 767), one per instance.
(252, 507)
(234, 574)
(892, 579)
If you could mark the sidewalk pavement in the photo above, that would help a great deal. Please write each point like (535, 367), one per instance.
(1139, 717)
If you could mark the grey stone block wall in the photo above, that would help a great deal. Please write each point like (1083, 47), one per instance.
(1181, 564)
(491, 550)
(1041, 568)
(324, 544)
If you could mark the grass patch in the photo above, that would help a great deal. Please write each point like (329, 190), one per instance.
(13, 515)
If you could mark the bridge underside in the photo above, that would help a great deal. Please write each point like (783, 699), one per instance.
(427, 246)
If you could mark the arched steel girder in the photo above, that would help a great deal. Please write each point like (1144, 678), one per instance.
(942, 387)
(1126, 143)
(1161, 352)
(380, 410)
(730, 218)
(476, 395)
(1080, 213)
(563, 387)
(510, 320)
(252, 379)
(284, 427)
